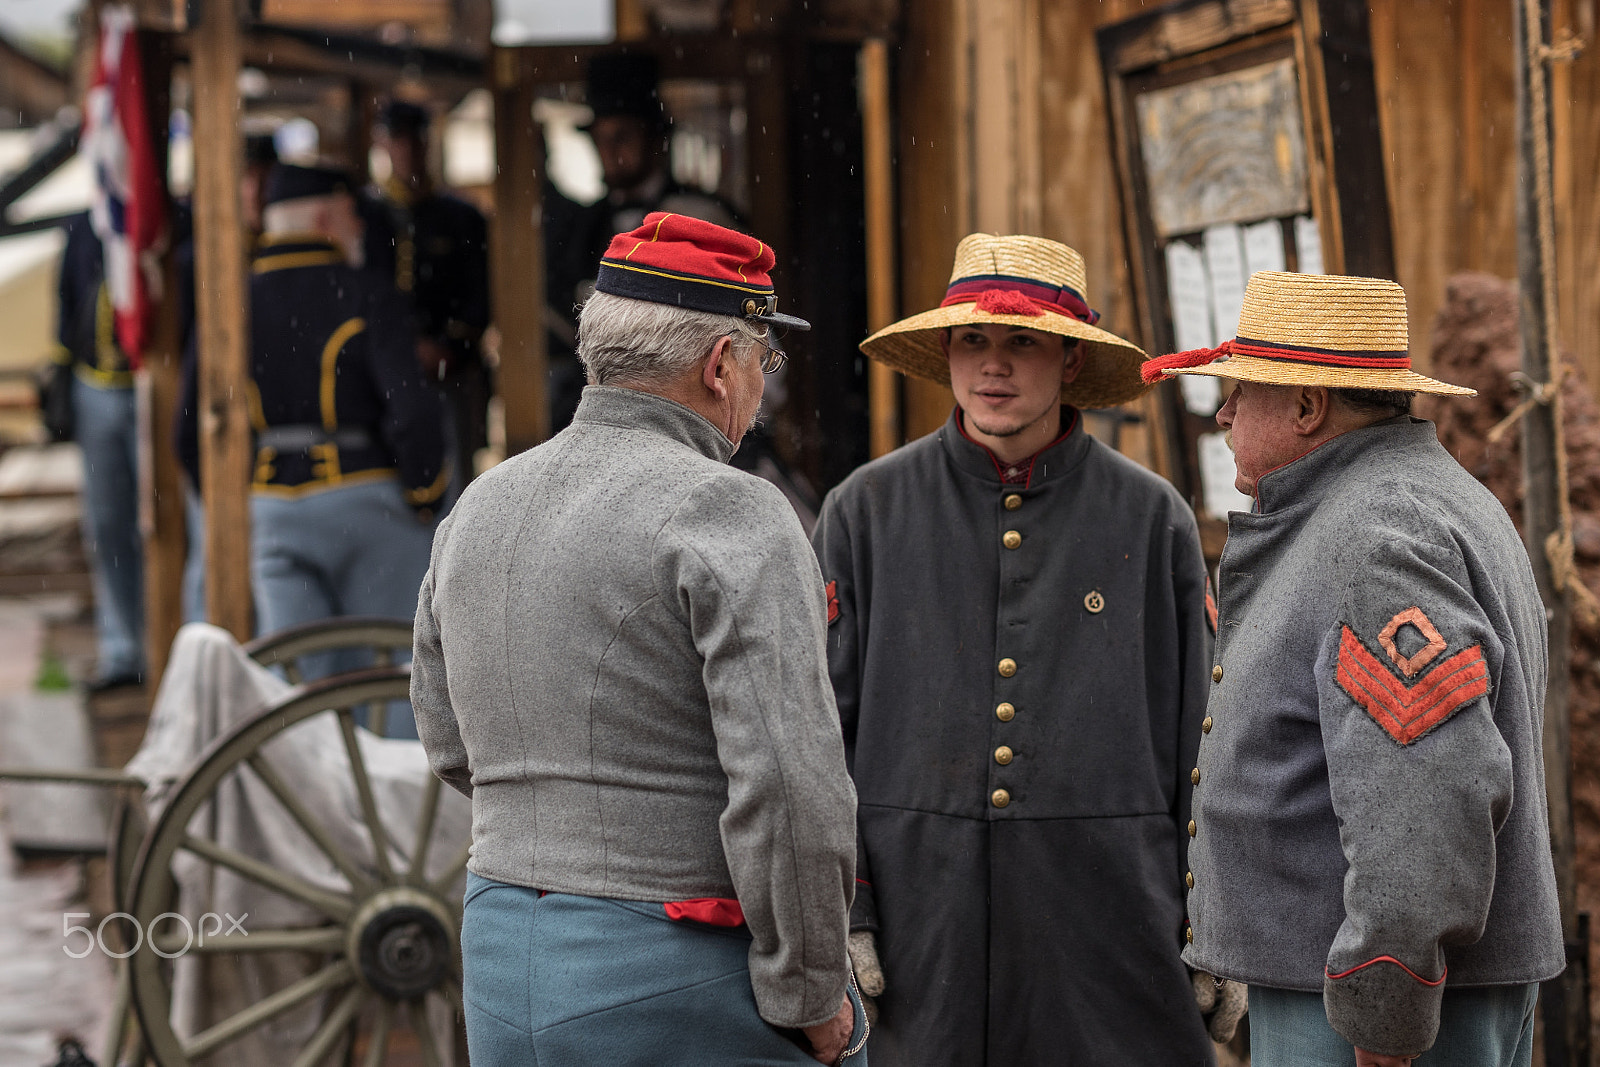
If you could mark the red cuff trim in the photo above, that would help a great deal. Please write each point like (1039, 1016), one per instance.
(713, 911)
(863, 881)
(1387, 959)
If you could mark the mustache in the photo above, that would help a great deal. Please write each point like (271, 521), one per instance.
(1227, 437)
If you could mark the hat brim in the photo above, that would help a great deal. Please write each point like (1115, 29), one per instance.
(1283, 372)
(1110, 374)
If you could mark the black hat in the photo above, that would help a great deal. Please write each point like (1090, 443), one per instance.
(260, 149)
(403, 118)
(288, 182)
(626, 83)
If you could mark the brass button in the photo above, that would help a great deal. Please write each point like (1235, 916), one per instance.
(1216, 673)
(1013, 501)
(1188, 879)
(1003, 755)
(1205, 725)
(1000, 798)
(1012, 539)
(1094, 603)
(1008, 667)
(1005, 712)
(1192, 827)
(1194, 776)
(1188, 935)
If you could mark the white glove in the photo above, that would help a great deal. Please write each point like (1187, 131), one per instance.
(1224, 1001)
(869, 972)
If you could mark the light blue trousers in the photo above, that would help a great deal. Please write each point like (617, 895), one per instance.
(351, 550)
(107, 434)
(570, 981)
(1488, 1026)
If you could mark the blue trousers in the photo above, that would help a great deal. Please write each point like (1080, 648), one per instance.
(107, 433)
(1487, 1026)
(351, 550)
(570, 981)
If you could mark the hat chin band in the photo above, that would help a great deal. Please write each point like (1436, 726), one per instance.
(1018, 296)
(1152, 369)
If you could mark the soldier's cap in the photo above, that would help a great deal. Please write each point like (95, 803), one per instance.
(260, 148)
(625, 83)
(1314, 329)
(689, 263)
(403, 118)
(1019, 281)
(285, 181)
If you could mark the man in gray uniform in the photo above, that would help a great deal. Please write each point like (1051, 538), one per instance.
(1371, 850)
(1018, 647)
(619, 657)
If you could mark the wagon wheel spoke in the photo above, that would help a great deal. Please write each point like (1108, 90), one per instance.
(330, 977)
(378, 1047)
(291, 671)
(441, 885)
(452, 993)
(331, 1030)
(307, 822)
(369, 807)
(418, 1011)
(334, 905)
(430, 810)
(311, 939)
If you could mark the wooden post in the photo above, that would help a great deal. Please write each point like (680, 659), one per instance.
(161, 517)
(1565, 1004)
(883, 383)
(221, 315)
(517, 250)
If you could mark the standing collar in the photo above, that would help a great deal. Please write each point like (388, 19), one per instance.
(1051, 461)
(280, 251)
(633, 409)
(1307, 477)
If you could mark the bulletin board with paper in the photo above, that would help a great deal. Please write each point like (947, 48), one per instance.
(1246, 139)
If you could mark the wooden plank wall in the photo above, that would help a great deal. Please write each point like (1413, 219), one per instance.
(1003, 128)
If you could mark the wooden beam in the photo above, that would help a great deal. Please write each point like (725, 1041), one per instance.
(221, 319)
(883, 383)
(517, 248)
(161, 517)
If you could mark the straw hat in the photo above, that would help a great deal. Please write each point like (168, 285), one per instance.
(1016, 281)
(1314, 329)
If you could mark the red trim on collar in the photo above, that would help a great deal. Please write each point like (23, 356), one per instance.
(1000, 471)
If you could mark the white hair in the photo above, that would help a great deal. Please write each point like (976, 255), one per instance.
(623, 341)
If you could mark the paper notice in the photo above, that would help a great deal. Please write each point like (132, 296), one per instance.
(1263, 247)
(1225, 267)
(1217, 473)
(1308, 244)
(1189, 297)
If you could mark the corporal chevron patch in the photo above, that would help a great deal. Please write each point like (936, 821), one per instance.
(1407, 711)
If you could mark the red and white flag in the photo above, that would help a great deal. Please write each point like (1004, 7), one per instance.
(128, 211)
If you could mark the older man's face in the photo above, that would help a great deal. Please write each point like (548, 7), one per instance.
(1260, 420)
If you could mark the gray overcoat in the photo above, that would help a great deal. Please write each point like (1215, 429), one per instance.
(1370, 816)
(1020, 671)
(619, 658)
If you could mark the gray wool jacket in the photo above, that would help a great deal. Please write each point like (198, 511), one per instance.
(1370, 816)
(619, 657)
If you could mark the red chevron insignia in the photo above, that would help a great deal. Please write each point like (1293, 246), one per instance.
(1409, 711)
(833, 602)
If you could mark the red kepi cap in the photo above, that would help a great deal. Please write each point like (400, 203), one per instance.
(686, 262)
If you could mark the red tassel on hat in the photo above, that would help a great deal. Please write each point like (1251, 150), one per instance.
(1150, 370)
(1007, 302)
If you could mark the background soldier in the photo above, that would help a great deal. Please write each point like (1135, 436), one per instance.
(435, 248)
(1018, 646)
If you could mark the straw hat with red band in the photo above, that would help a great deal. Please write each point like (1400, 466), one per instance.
(689, 263)
(1314, 329)
(1016, 281)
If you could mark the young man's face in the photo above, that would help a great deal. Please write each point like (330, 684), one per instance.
(1007, 378)
(1260, 420)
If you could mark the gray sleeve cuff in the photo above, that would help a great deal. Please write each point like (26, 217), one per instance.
(1381, 1006)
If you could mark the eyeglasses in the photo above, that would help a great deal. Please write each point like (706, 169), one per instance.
(773, 357)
